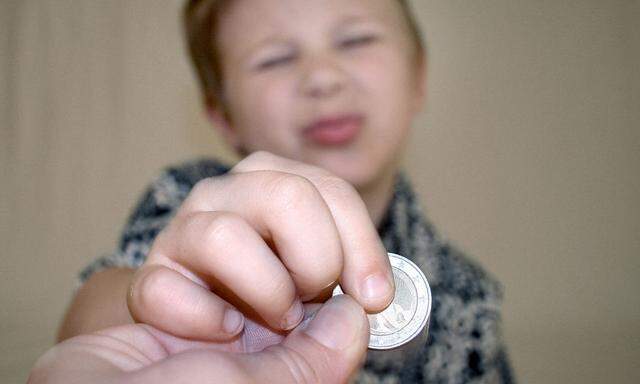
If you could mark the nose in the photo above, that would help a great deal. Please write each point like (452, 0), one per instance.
(322, 77)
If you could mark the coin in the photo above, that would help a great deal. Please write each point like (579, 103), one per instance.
(408, 314)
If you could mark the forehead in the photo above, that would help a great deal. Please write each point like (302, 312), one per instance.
(245, 22)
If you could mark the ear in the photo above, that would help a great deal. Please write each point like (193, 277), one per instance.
(222, 125)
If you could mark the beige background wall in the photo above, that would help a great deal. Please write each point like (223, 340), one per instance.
(528, 156)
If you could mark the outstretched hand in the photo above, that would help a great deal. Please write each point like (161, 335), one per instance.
(258, 243)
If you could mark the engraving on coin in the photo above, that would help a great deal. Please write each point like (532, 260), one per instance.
(408, 313)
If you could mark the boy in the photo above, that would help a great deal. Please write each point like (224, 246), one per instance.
(231, 259)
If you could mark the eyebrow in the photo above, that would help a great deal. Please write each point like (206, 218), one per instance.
(356, 18)
(350, 19)
(269, 40)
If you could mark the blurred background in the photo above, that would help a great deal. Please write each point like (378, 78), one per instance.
(527, 156)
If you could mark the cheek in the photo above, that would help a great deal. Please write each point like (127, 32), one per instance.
(261, 115)
(387, 82)
(265, 99)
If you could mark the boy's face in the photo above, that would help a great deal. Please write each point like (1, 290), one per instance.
(332, 83)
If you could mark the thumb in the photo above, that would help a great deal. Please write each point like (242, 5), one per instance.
(328, 348)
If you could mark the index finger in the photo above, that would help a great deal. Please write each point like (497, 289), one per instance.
(366, 274)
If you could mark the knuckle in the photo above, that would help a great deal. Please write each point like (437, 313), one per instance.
(148, 287)
(291, 190)
(337, 188)
(261, 156)
(222, 229)
(201, 187)
(200, 193)
(256, 160)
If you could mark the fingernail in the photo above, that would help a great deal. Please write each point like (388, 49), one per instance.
(336, 325)
(232, 321)
(375, 286)
(293, 316)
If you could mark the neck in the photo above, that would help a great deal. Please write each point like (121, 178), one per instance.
(377, 195)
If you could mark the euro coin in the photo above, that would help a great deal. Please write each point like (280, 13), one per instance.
(408, 314)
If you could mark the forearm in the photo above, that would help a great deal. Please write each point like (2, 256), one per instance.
(100, 303)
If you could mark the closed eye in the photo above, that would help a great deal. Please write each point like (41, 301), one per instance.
(358, 41)
(275, 62)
